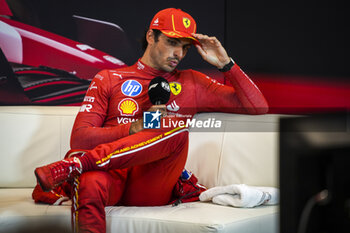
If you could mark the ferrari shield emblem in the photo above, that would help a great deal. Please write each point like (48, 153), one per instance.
(186, 22)
(175, 88)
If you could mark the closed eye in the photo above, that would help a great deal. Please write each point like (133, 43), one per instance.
(172, 42)
(186, 47)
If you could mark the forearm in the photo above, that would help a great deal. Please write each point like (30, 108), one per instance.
(87, 136)
(87, 132)
(248, 98)
(247, 93)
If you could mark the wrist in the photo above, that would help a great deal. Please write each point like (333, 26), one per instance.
(228, 66)
(136, 127)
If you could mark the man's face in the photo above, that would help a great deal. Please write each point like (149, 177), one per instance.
(167, 52)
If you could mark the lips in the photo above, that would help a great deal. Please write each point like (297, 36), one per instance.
(173, 63)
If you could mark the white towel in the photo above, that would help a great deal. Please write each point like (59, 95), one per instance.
(241, 195)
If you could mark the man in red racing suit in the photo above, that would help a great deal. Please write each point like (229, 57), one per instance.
(124, 164)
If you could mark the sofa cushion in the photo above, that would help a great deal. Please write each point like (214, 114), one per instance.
(195, 217)
(18, 213)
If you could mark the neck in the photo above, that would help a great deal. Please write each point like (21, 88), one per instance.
(146, 59)
(151, 71)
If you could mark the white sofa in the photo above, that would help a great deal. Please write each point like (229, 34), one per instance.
(244, 151)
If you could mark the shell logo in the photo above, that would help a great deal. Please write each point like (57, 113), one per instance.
(128, 107)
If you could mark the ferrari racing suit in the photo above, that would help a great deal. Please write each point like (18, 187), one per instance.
(141, 169)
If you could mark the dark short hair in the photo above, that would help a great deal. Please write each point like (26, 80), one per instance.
(156, 33)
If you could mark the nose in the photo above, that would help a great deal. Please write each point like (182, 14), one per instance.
(178, 53)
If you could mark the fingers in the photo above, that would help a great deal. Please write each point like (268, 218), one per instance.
(200, 50)
(154, 108)
(206, 42)
(211, 50)
(202, 36)
(161, 108)
(205, 38)
(137, 126)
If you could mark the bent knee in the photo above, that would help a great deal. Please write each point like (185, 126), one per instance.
(182, 135)
(179, 139)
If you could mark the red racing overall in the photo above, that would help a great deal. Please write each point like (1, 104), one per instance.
(142, 169)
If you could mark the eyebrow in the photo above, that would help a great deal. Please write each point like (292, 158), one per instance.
(178, 40)
(174, 39)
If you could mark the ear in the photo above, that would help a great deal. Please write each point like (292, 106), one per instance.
(150, 37)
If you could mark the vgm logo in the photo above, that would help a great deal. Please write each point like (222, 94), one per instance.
(131, 88)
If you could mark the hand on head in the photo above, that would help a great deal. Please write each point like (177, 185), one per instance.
(211, 50)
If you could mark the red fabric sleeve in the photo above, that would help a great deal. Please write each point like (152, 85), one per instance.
(88, 130)
(4, 8)
(244, 97)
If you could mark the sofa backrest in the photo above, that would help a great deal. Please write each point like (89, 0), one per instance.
(243, 151)
(32, 136)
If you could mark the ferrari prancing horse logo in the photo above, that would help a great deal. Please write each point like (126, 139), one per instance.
(186, 22)
(175, 88)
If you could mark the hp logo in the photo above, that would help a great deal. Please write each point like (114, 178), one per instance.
(131, 88)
